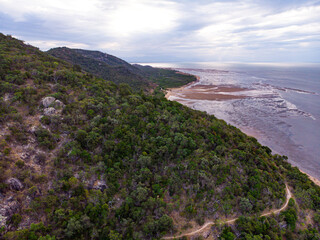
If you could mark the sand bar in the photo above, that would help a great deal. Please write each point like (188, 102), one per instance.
(207, 92)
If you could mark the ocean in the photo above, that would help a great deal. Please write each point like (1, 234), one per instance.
(279, 104)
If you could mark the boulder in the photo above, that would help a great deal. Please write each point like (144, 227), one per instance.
(58, 104)
(49, 111)
(14, 184)
(47, 101)
(99, 185)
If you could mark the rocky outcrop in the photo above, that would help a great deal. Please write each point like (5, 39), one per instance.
(51, 106)
(14, 184)
(47, 101)
(49, 111)
(99, 185)
(7, 209)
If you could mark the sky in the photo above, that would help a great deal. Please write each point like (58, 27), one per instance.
(171, 30)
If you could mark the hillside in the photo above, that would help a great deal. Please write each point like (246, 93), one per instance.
(166, 78)
(84, 158)
(117, 70)
(103, 65)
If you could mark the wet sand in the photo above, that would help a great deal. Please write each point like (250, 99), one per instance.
(195, 91)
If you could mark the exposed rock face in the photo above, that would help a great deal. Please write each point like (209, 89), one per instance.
(99, 185)
(7, 209)
(14, 184)
(47, 101)
(51, 106)
(49, 111)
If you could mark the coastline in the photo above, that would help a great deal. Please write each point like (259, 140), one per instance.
(182, 90)
(168, 91)
(313, 179)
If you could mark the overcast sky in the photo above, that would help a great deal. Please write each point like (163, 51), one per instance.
(169, 31)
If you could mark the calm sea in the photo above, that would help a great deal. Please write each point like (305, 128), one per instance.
(282, 109)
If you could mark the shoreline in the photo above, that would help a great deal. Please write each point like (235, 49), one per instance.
(313, 179)
(168, 91)
(173, 92)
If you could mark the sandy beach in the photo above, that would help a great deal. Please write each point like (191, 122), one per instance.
(171, 91)
(195, 91)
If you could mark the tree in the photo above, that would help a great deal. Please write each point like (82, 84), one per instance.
(227, 234)
(245, 205)
(113, 235)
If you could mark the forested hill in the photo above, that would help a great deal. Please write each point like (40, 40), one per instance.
(84, 158)
(117, 70)
(103, 65)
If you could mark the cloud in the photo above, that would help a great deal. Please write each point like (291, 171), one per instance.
(170, 29)
(52, 44)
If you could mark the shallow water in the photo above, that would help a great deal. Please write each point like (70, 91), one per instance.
(281, 107)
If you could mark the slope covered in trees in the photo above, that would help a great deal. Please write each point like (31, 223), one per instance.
(103, 65)
(118, 71)
(84, 158)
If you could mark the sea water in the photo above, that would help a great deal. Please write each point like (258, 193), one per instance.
(281, 108)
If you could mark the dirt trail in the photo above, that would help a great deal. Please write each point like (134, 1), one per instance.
(274, 211)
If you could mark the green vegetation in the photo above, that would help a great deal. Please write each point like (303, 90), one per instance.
(118, 71)
(103, 65)
(115, 163)
(166, 78)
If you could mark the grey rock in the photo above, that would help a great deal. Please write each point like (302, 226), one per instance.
(3, 220)
(33, 129)
(7, 209)
(25, 155)
(58, 104)
(99, 185)
(49, 111)
(6, 97)
(14, 184)
(47, 101)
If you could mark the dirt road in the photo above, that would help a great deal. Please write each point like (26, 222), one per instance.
(210, 223)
